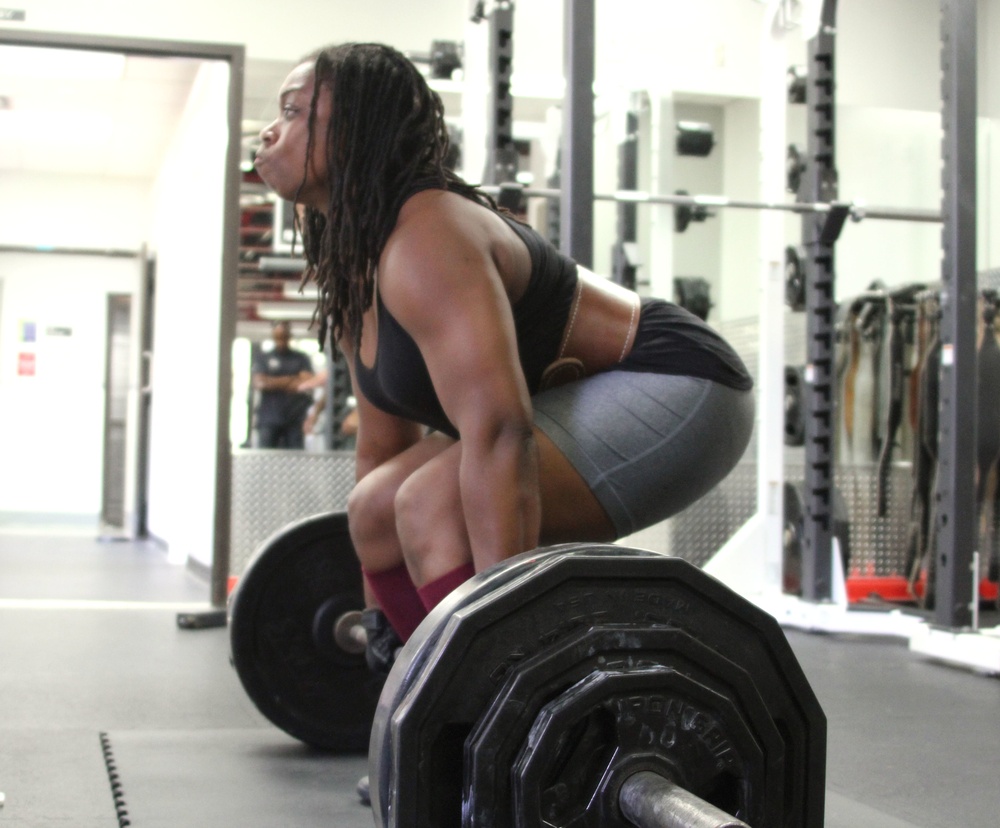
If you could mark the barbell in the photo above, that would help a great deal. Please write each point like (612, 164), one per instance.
(510, 193)
(579, 685)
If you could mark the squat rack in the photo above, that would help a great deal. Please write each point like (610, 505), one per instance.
(823, 587)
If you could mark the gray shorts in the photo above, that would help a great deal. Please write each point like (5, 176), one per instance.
(648, 445)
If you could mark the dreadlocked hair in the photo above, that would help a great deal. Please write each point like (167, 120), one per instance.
(386, 133)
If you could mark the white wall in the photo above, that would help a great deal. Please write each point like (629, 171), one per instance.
(698, 251)
(888, 55)
(988, 212)
(887, 52)
(58, 210)
(187, 242)
(709, 47)
(269, 30)
(988, 195)
(892, 159)
(51, 423)
(738, 294)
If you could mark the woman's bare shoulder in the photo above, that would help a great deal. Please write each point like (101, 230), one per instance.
(437, 232)
(432, 213)
(450, 235)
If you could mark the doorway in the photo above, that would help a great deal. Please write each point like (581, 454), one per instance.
(208, 225)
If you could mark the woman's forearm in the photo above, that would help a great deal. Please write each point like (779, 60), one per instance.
(500, 494)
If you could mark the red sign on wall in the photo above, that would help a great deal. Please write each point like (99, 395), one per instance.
(26, 364)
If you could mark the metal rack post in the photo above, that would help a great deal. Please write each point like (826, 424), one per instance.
(955, 523)
(819, 233)
(501, 153)
(576, 209)
(623, 258)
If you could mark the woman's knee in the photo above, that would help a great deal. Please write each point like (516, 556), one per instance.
(413, 509)
(370, 509)
(430, 524)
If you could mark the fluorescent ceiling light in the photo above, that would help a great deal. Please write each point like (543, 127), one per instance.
(43, 63)
(293, 290)
(298, 311)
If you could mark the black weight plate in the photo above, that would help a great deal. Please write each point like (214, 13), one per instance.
(750, 790)
(281, 618)
(795, 279)
(421, 732)
(587, 741)
(419, 652)
(795, 405)
(795, 166)
(793, 533)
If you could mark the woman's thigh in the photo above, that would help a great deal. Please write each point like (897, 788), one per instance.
(618, 452)
(371, 506)
(429, 477)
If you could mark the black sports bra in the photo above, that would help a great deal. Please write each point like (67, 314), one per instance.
(399, 383)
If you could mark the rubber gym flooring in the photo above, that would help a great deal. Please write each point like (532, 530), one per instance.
(111, 715)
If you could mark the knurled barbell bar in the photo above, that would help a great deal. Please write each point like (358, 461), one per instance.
(857, 211)
(649, 800)
(578, 685)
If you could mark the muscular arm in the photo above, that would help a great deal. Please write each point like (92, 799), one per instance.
(289, 383)
(440, 280)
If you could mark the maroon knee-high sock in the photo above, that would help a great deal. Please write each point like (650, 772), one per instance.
(433, 593)
(397, 598)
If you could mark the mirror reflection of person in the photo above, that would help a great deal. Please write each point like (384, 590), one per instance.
(277, 375)
(348, 425)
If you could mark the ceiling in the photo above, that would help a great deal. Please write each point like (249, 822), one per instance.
(92, 113)
(96, 113)
(88, 113)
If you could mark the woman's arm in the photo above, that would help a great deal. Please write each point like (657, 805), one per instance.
(286, 382)
(440, 280)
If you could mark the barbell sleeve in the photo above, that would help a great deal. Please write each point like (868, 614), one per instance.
(649, 800)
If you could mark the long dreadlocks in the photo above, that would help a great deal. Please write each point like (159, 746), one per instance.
(386, 132)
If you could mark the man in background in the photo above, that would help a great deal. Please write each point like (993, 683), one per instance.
(282, 407)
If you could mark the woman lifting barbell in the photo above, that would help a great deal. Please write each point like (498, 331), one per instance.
(507, 398)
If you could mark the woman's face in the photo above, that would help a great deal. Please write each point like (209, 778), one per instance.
(281, 159)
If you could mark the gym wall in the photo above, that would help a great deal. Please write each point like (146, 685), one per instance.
(56, 413)
(705, 54)
(53, 405)
(189, 196)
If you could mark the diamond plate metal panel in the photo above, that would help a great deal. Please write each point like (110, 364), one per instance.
(700, 531)
(878, 543)
(273, 488)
